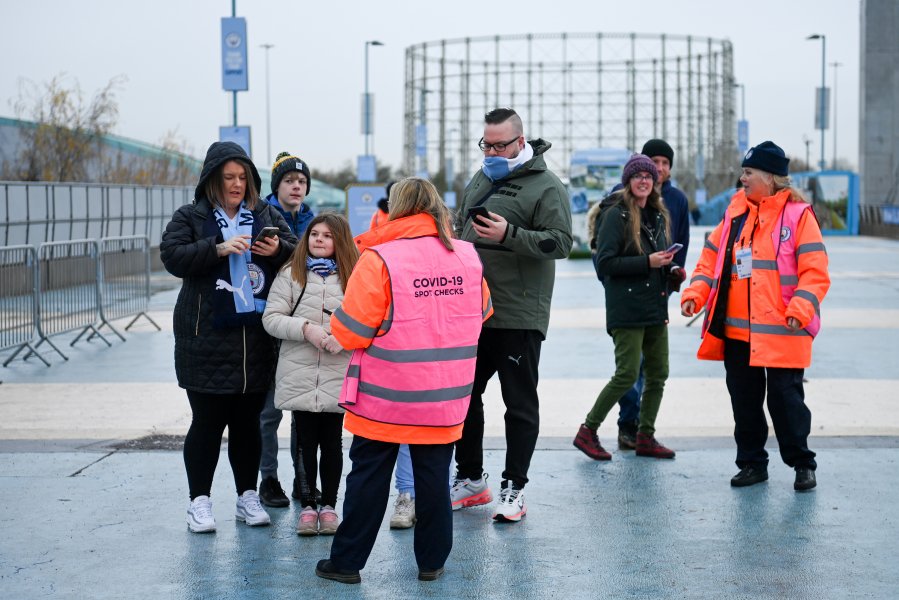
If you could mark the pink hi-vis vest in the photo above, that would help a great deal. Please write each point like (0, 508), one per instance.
(421, 371)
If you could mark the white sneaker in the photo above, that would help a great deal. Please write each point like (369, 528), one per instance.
(403, 512)
(511, 505)
(468, 492)
(199, 515)
(250, 511)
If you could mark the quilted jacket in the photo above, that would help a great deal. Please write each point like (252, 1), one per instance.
(232, 360)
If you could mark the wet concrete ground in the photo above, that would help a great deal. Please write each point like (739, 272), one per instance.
(86, 518)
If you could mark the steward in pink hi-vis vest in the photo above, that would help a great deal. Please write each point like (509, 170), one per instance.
(412, 383)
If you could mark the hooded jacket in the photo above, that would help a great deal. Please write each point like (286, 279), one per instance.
(297, 224)
(213, 359)
(520, 270)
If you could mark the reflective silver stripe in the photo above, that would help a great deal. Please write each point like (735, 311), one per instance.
(810, 247)
(708, 244)
(789, 280)
(438, 395)
(777, 330)
(768, 265)
(738, 323)
(354, 325)
(707, 280)
(423, 355)
(489, 306)
(353, 371)
(810, 297)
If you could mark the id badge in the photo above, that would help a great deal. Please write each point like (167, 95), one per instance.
(744, 263)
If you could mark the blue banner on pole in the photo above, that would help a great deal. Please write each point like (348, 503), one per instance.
(743, 136)
(238, 135)
(234, 54)
(366, 168)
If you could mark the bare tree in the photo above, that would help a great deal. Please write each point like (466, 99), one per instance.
(64, 139)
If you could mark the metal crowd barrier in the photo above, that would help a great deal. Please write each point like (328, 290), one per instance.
(18, 304)
(124, 280)
(76, 286)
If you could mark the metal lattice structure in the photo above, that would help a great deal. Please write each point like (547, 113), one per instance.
(576, 90)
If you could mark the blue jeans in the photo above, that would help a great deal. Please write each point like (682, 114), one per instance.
(405, 481)
(629, 404)
(269, 420)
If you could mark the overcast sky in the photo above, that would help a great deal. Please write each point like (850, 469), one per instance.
(170, 52)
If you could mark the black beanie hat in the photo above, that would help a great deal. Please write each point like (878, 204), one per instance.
(656, 147)
(285, 162)
(768, 157)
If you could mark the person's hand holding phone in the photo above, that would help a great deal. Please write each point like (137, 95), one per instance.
(488, 225)
(266, 242)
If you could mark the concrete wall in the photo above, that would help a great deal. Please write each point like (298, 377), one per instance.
(879, 102)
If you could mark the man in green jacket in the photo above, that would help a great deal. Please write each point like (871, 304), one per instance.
(527, 226)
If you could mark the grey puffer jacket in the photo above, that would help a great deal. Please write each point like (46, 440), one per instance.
(307, 379)
(521, 270)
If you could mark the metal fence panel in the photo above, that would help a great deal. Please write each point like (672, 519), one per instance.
(124, 280)
(18, 303)
(69, 289)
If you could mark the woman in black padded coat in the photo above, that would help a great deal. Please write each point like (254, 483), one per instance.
(223, 356)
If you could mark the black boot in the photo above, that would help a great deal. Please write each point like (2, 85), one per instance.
(271, 494)
(750, 475)
(805, 479)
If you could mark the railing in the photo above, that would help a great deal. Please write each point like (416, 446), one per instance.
(880, 220)
(78, 285)
(32, 213)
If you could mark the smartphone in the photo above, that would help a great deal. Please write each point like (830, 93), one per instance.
(674, 248)
(266, 232)
(478, 211)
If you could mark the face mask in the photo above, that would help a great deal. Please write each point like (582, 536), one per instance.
(496, 167)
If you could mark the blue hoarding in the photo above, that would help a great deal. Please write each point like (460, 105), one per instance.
(234, 54)
(361, 204)
(239, 135)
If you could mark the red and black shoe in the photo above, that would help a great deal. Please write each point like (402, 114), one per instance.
(648, 445)
(587, 442)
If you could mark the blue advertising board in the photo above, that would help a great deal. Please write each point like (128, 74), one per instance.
(366, 168)
(234, 54)
(361, 204)
(239, 135)
(743, 136)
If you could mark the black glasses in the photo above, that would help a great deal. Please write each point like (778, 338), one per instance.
(497, 147)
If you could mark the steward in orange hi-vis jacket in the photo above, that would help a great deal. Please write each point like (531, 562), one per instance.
(762, 276)
(756, 311)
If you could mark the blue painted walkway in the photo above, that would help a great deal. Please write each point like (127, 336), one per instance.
(82, 519)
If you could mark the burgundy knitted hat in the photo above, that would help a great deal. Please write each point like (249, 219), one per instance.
(637, 164)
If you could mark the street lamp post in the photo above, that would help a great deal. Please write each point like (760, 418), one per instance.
(835, 66)
(807, 141)
(742, 100)
(268, 108)
(822, 109)
(366, 117)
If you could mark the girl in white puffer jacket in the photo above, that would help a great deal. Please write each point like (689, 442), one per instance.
(309, 378)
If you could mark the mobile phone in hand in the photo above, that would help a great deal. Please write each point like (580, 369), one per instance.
(478, 214)
(267, 232)
(674, 248)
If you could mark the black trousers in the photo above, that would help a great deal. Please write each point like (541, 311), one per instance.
(203, 443)
(515, 355)
(320, 430)
(790, 416)
(365, 502)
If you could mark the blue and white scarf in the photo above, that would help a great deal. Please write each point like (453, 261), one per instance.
(244, 273)
(321, 266)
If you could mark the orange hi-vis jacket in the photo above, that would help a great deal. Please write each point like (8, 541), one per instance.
(788, 279)
(389, 402)
(379, 218)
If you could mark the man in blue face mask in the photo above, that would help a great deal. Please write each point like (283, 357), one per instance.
(524, 227)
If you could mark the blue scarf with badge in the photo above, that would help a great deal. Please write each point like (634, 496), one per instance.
(241, 285)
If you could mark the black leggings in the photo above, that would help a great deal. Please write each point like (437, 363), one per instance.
(203, 444)
(320, 430)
